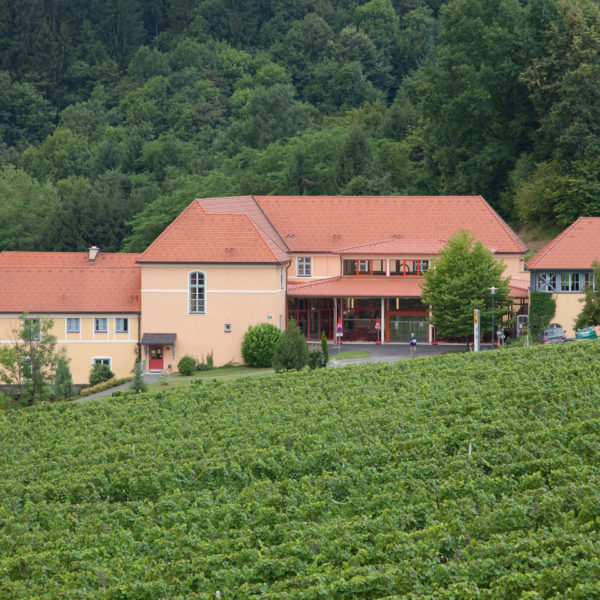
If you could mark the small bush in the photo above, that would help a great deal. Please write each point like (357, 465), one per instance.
(100, 373)
(324, 348)
(259, 343)
(291, 351)
(316, 359)
(187, 365)
(210, 363)
(100, 387)
(63, 382)
(138, 385)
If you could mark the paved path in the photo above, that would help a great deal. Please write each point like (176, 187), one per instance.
(378, 353)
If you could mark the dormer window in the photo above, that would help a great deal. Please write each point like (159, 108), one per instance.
(304, 266)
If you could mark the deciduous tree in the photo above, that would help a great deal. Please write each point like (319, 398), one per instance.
(460, 282)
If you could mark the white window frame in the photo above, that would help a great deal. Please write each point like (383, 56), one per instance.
(71, 321)
(124, 325)
(38, 337)
(548, 281)
(97, 321)
(304, 266)
(196, 306)
(102, 360)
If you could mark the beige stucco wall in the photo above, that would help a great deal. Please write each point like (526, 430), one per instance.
(515, 266)
(328, 265)
(86, 345)
(323, 265)
(238, 295)
(567, 309)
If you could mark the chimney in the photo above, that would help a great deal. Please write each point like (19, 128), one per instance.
(93, 253)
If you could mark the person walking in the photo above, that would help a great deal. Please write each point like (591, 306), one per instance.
(413, 345)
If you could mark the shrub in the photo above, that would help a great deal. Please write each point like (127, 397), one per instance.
(324, 348)
(100, 373)
(291, 351)
(542, 307)
(187, 365)
(316, 359)
(63, 381)
(138, 384)
(259, 343)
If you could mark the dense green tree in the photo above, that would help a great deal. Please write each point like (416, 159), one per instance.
(479, 117)
(460, 282)
(25, 205)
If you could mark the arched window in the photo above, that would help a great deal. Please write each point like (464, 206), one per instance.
(197, 293)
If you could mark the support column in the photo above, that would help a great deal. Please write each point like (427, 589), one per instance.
(335, 335)
(382, 331)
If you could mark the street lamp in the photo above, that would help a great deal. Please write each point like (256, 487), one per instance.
(493, 291)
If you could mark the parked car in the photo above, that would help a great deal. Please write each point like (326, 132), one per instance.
(553, 336)
(586, 333)
(554, 326)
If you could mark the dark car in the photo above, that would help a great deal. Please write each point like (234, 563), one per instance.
(554, 336)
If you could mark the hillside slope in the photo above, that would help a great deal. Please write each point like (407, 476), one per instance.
(460, 476)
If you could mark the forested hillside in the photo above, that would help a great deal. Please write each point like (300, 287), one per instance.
(114, 114)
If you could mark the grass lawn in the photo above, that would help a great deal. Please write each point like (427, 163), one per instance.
(348, 354)
(177, 380)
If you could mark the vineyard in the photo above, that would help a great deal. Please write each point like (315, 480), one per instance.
(452, 477)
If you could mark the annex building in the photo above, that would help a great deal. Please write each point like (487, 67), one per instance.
(563, 268)
(226, 263)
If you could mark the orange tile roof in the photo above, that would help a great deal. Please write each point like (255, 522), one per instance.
(396, 247)
(324, 223)
(66, 259)
(247, 205)
(359, 287)
(518, 288)
(197, 236)
(577, 247)
(377, 287)
(65, 282)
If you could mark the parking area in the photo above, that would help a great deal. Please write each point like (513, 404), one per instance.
(388, 352)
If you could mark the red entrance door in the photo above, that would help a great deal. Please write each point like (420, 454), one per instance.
(156, 358)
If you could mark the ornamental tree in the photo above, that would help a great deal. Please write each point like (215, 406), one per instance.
(460, 282)
(30, 362)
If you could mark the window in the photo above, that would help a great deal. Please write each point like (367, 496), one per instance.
(73, 325)
(121, 325)
(547, 282)
(377, 267)
(31, 329)
(282, 278)
(102, 361)
(304, 266)
(197, 293)
(100, 325)
(569, 282)
(408, 267)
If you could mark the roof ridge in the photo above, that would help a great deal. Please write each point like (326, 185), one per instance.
(260, 235)
(513, 235)
(264, 214)
(540, 254)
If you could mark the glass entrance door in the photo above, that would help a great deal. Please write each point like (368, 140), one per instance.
(401, 326)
